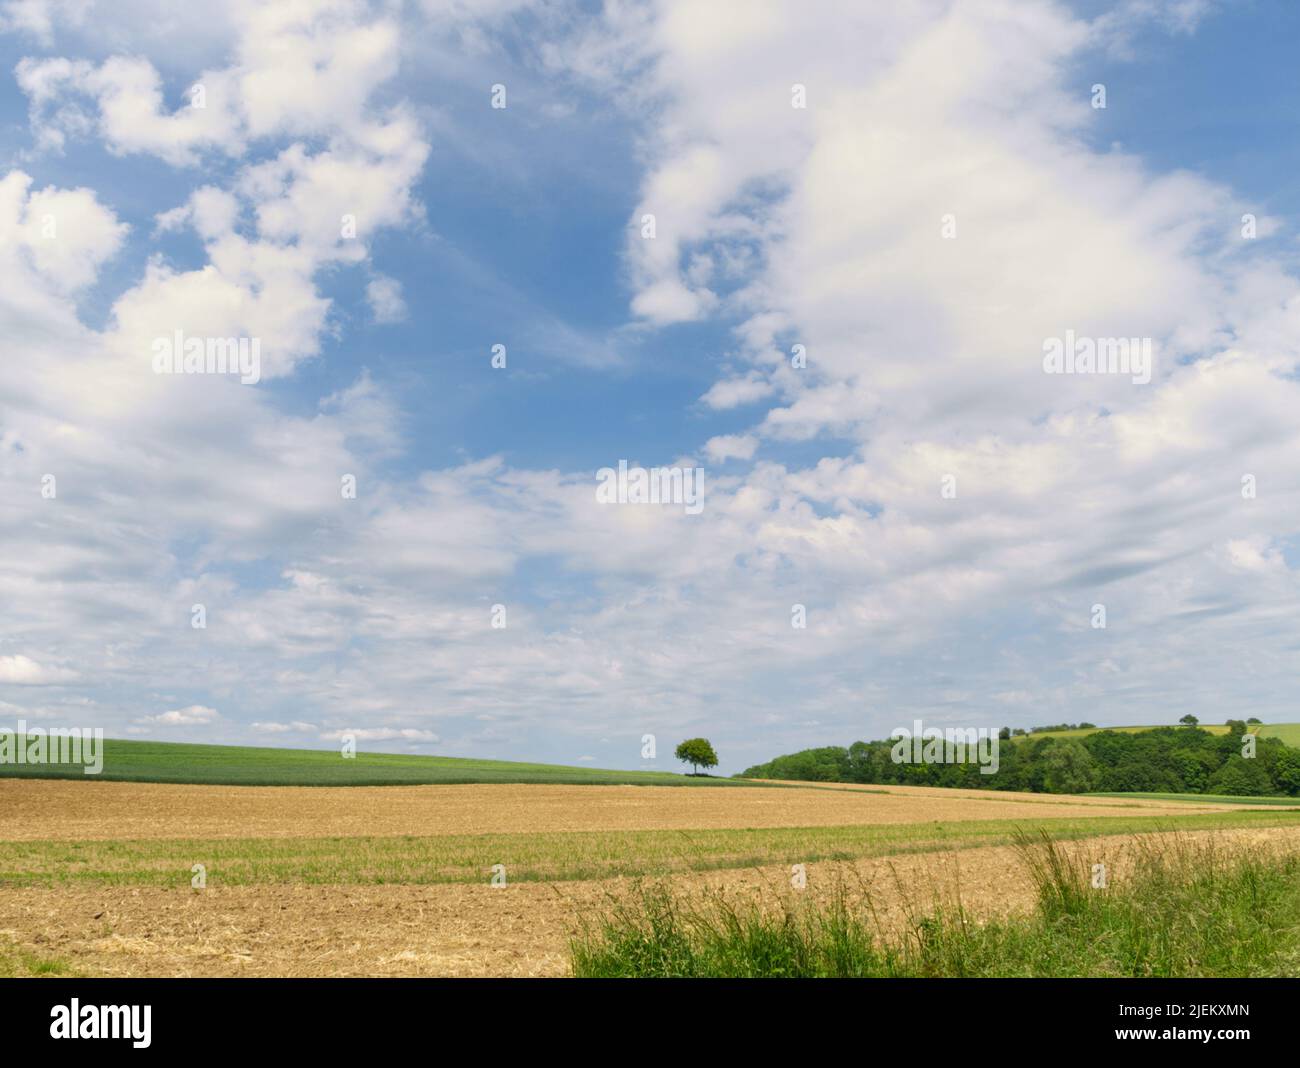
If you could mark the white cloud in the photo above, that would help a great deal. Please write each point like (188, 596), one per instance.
(820, 227)
(39, 17)
(385, 297)
(125, 94)
(381, 734)
(728, 446)
(190, 716)
(304, 70)
(24, 671)
(729, 393)
(65, 234)
(296, 727)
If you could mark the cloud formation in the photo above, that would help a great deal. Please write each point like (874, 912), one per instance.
(887, 263)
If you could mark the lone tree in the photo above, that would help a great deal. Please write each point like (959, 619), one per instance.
(698, 753)
(1190, 720)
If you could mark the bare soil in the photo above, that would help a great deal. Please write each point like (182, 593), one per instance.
(63, 810)
(476, 930)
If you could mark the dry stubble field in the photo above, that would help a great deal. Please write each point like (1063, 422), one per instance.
(395, 880)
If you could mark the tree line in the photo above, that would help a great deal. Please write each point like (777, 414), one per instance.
(1160, 760)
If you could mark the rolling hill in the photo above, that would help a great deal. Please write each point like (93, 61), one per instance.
(1210, 728)
(139, 761)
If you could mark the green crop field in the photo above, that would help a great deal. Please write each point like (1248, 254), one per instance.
(228, 765)
(1287, 732)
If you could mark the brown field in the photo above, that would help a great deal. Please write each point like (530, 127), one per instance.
(68, 810)
(469, 930)
(354, 927)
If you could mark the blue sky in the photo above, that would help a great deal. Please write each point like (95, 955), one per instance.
(520, 226)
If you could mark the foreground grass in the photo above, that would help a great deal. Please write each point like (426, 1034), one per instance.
(530, 857)
(230, 765)
(1187, 910)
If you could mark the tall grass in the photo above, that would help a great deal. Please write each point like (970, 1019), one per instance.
(1182, 909)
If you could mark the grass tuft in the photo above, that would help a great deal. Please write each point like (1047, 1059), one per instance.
(17, 963)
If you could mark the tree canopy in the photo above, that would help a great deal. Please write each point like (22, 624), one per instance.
(1184, 759)
(698, 753)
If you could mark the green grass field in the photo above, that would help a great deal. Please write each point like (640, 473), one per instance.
(228, 765)
(1287, 732)
(556, 856)
(1217, 799)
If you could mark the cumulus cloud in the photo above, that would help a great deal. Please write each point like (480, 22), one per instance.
(24, 671)
(732, 392)
(298, 71)
(190, 716)
(945, 511)
(295, 727)
(727, 446)
(65, 235)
